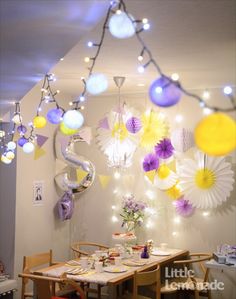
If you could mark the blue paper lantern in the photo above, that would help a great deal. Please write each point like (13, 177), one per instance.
(21, 129)
(54, 116)
(164, 93)
(21, 141)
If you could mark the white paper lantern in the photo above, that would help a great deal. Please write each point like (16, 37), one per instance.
(96, 84)
(73, 119)
(5, 160)
(28, 147)
(11, 145)
(17, 119)
(10, 155)
(121, 26)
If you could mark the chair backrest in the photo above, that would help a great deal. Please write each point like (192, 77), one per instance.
(197, 258)
(31, 262)
(78, 251)
(147, 278)
(42, 285)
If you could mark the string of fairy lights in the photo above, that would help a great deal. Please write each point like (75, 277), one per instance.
(165, 91)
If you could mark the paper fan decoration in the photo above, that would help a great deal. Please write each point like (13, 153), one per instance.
(183, 207)
(164, 149)
(115, 141)
(182, 140)
(150, 162)
(175, 192)
(206, 181)
(165, 178)
(154, 128)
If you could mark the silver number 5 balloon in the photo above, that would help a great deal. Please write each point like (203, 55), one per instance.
(66, 180)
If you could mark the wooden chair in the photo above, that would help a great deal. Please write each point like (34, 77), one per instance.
(31, 263)
(78, 250)
(193, 283)
(43, 289)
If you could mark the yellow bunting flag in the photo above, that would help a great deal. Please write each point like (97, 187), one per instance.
(151, 175)
(104, 180)
(81, 174)
(39, 152)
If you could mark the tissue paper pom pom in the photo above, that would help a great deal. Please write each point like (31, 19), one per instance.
(164, 149)
(150, 162)
(184, 207)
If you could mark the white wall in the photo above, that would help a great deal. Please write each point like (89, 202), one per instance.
(38, 230)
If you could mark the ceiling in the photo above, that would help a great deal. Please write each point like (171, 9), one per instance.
(196, 39)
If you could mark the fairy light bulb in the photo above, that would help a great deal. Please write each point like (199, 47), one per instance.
(2, 133)
(207, 111)
(118, 12)
(179, 118)
(82, 98)
(70, 103)
(90, 44)
(177, 220)
(82, 107)
(174, 234)
(11, 145)
(205, 213)
(17, 119)
(117, 175)
(86, 59)
(175, 77)
(114, 218)
(158, 89)
(140, 58)
(113, 207)
(146, 26)
(206, 94)
(140, 69)
(144, 20)
(228, 90)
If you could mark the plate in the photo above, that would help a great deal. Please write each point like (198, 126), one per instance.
(73, 263)
(133, 263)
(160, 253)
(115, 269)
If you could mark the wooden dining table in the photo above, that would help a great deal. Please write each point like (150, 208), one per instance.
(111, 280)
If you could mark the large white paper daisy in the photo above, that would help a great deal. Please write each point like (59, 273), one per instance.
(206, 181)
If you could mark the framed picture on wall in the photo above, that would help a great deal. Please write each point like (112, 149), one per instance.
(38, 192)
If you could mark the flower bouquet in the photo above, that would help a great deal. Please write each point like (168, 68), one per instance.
(132, 212)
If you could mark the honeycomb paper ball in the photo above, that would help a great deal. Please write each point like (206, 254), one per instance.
(133, 125)
(215, 134)
(39, 122)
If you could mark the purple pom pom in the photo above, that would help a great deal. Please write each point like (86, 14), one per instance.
(164, 149)
(164, 93)
(133, 125)
(150, 162)
(184, 207)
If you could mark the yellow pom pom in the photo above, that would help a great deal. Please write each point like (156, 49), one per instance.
(67, 131)
(39, 122)
(216, 134)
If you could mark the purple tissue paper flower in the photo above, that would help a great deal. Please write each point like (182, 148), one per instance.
(164, 149)
(184, 207)
(150, 162)
(65, 206)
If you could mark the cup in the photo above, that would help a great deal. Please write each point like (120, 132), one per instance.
(117, 260)
(98, 267)
(163, 246)
(136, 255)
(84, 262)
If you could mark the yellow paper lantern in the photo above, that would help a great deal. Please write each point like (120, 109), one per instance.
(67, 131)
(216, 134)
(39, 122)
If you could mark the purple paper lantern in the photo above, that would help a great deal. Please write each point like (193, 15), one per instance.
(65, 206)
(184, 207)
(133, 125)
(21, 129)
(21, 141)
(164, 149)
(164, 93)
(54, 116)
(150, 162)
